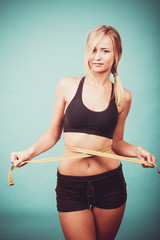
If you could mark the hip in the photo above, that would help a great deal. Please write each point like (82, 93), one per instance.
(105, 190)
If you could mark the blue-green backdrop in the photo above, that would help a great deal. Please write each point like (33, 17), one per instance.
(41, 42)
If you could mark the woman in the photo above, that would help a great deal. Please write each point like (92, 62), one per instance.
(91, 191)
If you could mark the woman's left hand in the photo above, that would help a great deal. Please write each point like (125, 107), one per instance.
(146, 156)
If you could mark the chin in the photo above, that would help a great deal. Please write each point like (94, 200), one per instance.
(98, 70)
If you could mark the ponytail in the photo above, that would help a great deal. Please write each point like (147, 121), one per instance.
(118, 89)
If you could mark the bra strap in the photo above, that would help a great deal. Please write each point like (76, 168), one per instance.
(80, 86)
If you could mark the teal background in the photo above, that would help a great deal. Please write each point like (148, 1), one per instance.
(41, 42)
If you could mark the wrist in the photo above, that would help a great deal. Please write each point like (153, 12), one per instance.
(30, 152)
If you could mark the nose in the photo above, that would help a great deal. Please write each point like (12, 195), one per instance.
(98, 56)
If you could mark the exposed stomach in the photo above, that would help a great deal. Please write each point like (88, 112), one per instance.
(89, 165)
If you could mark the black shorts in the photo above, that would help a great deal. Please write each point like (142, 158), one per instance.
(106, 190)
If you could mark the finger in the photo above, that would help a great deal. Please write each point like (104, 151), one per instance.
(148, 165)
(144, 165)
(149, 158)
(13, 157)
(153, 159)
(23, 164)
(17, 162)
(151, 165)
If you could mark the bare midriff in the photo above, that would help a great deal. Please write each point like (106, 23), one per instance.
(89, 165)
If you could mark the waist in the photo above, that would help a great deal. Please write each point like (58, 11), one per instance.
(87, 164)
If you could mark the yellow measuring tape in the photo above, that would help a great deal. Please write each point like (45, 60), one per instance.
(81, 153)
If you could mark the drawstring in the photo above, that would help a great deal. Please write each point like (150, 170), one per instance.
(90, 193)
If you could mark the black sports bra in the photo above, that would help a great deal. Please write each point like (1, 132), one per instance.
(78, 118)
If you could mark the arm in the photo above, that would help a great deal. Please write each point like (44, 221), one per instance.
(121, 147)
(51, 136)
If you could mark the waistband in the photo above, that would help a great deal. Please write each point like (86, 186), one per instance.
(115, 171)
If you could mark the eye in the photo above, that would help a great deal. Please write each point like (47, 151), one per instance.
(94, 50)
(105, 51)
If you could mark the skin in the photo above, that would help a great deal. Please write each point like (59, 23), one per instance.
(94, 223)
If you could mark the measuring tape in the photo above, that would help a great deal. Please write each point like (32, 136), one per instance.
(80, 153)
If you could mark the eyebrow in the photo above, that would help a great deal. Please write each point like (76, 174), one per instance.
(105, 48)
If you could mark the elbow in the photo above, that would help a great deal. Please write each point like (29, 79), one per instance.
(116, 144)
(53, 137)
(57, 138)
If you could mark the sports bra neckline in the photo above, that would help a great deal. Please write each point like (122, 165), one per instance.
(79, 118)
(101, 111)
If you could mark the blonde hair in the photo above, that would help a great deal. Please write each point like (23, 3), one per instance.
(93, 38)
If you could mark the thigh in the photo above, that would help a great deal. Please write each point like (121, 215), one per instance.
(107, 222)
(78, 225)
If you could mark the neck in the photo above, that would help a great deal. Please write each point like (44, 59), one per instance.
(99, 79)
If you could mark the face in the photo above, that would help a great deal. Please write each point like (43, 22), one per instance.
(102, 57)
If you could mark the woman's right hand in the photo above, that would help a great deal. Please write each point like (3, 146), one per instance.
(18, 157)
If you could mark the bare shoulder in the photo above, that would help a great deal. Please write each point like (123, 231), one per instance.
(68, 85)
(126, 103)
(127, 95)
(127, 100)
(68, 81)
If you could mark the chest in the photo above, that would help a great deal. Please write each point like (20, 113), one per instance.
(96, 99)
(91, 111)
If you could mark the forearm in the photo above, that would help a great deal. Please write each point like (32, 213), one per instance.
(125, 149)
(44, 143)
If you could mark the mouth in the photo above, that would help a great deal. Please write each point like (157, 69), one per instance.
(98, 64)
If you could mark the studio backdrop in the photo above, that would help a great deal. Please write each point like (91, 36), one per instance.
(42, 42)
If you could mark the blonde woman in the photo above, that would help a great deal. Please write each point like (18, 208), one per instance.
(91, 192)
